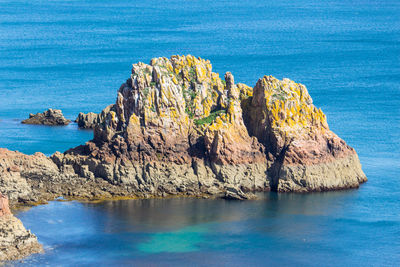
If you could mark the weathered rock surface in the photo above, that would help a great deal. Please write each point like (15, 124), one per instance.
(15, 241)
(49, 117)
(177, 128)
(176, 115)
(307, 155)
(90, 120)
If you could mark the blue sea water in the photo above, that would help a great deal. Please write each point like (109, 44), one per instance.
(73, 55)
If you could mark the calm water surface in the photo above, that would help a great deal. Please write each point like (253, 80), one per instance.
(73, 55)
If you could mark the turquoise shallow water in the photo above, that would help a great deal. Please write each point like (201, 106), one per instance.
(74, 55)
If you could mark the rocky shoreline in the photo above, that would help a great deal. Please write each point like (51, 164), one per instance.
(178, 129)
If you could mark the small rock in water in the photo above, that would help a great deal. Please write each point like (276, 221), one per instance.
(48, 117)
(234, 193)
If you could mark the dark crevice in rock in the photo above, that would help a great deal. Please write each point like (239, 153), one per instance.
(275, 169)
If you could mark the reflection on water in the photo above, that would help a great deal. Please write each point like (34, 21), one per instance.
(174, 213)
(288, 228)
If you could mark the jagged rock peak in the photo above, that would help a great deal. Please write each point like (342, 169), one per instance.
(169, 93)
(176, 104)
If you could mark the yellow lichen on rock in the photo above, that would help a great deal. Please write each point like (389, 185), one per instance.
(184, 95)
(245, 91)
(291, 108)
(177, 111)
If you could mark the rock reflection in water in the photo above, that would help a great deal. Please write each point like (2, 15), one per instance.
(176, 230)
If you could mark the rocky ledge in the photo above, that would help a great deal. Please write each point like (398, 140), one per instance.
(15, 241)
(48, 117)
(177, 128)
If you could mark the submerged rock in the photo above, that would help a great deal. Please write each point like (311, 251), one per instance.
(234, 193)
(15, 241)
(48, 117)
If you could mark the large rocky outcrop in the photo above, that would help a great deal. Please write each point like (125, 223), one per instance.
(15, 241)
(177, 128)
(307, 155)
(49, 117)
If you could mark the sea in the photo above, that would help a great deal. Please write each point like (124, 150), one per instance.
(74, 55)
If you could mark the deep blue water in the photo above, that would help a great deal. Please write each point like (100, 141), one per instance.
(73, 55)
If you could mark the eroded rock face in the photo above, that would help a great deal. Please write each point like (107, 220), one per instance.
(49, 117)
(15, 241)
(33, 179)
(307, 155)
(18, 172)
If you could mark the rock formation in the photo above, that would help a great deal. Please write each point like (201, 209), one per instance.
(307, 156)
(34, 179)
(177, 128)
(15, 241)
(49, 117)
(235, 193)
(91, 119)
